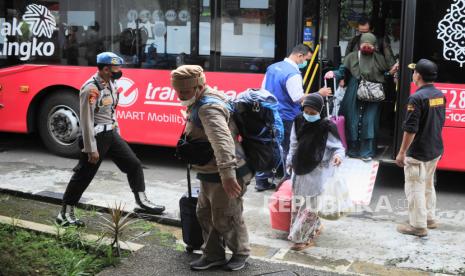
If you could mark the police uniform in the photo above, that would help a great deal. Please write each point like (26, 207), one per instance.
(425, 117)
(100, 133)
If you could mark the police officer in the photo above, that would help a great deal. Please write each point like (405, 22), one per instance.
(422, 148)
(100, 137)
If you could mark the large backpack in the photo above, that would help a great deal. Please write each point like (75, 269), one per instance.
(255, 112)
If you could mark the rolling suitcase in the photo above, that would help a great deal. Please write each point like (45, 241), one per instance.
(191, 231)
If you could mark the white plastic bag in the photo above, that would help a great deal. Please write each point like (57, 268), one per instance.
(335, 200)
(338, 96)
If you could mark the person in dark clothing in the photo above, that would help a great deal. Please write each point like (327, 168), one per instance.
(421, 148)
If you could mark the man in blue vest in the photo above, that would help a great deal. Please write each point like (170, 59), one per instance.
(284, 80)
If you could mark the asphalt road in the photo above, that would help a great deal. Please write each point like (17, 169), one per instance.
(160, 164)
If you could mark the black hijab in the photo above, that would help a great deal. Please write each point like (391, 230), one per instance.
(311, 138)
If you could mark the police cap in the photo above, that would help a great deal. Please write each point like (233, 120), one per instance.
(426, 68)
(109, 58)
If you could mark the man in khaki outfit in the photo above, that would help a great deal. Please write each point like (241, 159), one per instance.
(422, 148)
(223, 178)
(100, 138)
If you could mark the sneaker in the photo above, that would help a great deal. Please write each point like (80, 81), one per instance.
(67, 218)
(237, 262)
(407, 229)
(431, 224)
(203, 263)
(146, 206)
(367, 158)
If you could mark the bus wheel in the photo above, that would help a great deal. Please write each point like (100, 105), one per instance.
(59, 123)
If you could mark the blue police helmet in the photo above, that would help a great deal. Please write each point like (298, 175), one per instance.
(109, 58)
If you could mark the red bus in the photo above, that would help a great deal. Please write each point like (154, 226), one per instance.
(48, 49)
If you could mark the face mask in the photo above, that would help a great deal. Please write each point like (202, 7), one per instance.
(116, 75)
(302, 65)
(311, 118)
(367, 50)
(190, 101)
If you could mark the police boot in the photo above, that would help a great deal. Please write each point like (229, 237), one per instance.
(66, 217)
(146, 206)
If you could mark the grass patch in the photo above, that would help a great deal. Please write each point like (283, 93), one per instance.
(89, 213)
(29, 253)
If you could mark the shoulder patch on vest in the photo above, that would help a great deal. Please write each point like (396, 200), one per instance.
(436, 102)
(93, 95)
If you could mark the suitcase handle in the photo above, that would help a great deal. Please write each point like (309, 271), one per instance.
(189, 188)
(327, 98)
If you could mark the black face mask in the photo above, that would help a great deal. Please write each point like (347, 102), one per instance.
(116, 75)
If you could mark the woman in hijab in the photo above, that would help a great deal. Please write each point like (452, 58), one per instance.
(362, 118)
(315, 150)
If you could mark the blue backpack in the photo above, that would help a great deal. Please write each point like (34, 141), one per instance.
(255, 112)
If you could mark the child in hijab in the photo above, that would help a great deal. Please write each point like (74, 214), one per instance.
(315, 151)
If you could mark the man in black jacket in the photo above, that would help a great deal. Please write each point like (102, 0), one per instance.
(421, 148)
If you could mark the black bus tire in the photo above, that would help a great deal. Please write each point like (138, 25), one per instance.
(58, 123)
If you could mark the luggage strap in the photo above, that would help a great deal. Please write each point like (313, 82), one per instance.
(216, 178)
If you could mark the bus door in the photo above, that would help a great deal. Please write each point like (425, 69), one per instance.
(339, 36)
(434, 30)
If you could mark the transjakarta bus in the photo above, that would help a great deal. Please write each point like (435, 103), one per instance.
(48, 49)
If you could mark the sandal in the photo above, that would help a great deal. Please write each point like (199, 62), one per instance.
(319, 230)
(302, 246)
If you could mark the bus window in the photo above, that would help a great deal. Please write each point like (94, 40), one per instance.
(159, 34)
(448, 52)
(18, 42)
(62, 32)
(82, 32)
(247, 35)
(205, 28)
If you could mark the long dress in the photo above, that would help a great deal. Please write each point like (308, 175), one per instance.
(304, 221)
(362, 118)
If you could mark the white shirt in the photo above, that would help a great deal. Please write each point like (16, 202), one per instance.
(294, 85)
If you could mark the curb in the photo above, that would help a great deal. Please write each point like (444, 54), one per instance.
(86, 206)
(47, 229)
